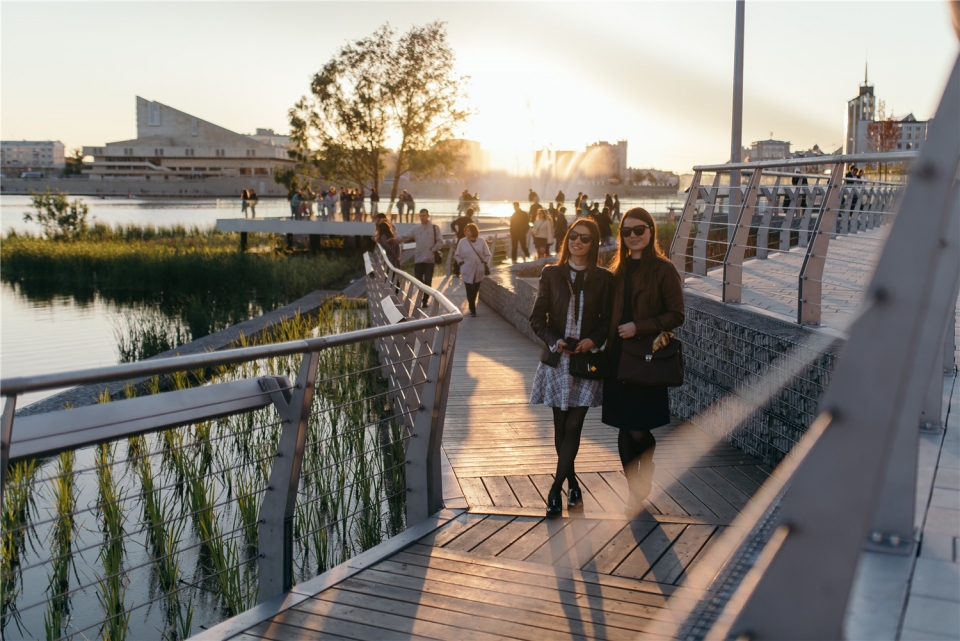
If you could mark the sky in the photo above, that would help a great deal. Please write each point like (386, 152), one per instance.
(557, 75)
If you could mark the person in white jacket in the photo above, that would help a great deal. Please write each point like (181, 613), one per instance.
(473, 256)
(542, 233)
(429, 241)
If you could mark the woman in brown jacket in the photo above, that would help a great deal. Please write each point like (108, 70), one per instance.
(647, 297)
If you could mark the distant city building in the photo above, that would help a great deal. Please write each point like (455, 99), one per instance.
(862, 112)
(173, 145)
(912, 133)
(599, 161)
(23, 155)
(766, 150)
(268, 136)
(605, 161)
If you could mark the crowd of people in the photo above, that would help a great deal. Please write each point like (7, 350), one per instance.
(548, 225)
(344, 203)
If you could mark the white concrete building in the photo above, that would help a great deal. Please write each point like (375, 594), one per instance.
(24, 155)
(173, 145)
(862, 112)
(766, 150)
(912, 133)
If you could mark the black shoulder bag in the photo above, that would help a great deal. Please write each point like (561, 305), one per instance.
(589, 365)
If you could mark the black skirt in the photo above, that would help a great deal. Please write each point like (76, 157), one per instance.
(632, 407)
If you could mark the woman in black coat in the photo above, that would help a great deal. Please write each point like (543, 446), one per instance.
(647, 299)
(570, 316)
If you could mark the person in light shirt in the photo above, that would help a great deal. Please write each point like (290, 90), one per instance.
(429, 241)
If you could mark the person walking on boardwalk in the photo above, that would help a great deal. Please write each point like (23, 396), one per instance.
(244, 202)
(542, 233)
(429, 241)
(386, 239)
(560, 198)
(374, 202)
(647, 300)
(519, 224)
(571, 316)
(560, 227)
(459, 227)
(254, 199)
(616, 208)
(473, 256)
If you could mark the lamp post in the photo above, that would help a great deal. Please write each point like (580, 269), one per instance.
(737, 129)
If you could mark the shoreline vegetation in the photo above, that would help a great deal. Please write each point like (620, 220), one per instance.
(187, 283)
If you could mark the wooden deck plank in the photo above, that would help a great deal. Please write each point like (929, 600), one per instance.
(479, 533)
(506, 536)
(582, 553)
(479, 603)
(618, 485)
(579, 605)
(594, 483)
(620, 546)
(549, 615)
(672, 564)
(295, 625)
(648, 553)
(474, 490)
(706, 494)
(614, 587)
(665, 503)
(565, 539)
(719, 484)
(500, 491)
(533, 539)
(453, 529)
(481, 627)
(679, 493)
(323, 608)
(526, 492)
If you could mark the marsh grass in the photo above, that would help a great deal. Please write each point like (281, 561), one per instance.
(174, 516)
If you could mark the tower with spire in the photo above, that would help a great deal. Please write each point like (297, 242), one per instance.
(861, 111)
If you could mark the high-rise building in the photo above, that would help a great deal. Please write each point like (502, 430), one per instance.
(861, 111)
(173, 145)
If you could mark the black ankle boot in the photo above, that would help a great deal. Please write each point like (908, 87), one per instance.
(554, 505)
(574, 497)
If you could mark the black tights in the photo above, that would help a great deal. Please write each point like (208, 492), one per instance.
(636, 455)
(567, 425)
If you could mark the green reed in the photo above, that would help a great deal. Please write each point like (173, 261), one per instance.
(18, 509)
(65, 504)
(112, 586)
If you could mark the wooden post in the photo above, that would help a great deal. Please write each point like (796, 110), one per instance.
(243, 242)
(314, 244)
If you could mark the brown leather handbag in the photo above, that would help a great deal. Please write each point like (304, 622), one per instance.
(640, 364)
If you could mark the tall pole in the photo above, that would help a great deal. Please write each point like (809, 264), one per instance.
(737, 129)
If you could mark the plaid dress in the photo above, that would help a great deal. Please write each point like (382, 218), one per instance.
(554, 387)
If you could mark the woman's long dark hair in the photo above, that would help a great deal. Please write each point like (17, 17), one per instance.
(383, 229)
(593, 255)
(619, 264)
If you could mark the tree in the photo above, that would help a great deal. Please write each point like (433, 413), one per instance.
(73, 163)
(426, 94)
(883, 133)
(60, 219)
(375, 91)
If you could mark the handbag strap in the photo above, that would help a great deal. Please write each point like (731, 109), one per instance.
(470, 242)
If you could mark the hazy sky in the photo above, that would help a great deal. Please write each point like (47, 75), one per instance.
(658, 74)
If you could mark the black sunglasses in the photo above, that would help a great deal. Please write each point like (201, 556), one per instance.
(636, 229)
(584, 238)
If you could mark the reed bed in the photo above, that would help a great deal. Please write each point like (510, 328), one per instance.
(153, 536)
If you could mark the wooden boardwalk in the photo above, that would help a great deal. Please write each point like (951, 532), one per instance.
(502, 570)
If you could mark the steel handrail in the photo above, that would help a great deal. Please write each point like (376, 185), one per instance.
(895, 156)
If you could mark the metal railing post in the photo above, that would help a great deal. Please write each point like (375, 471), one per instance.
(424, 478)
(6, 435)
(829, 511)
(681, 237)
(711, 203)
(733, 261)
(813, 202)
(810, 289)
(280, 499)
(763, 233)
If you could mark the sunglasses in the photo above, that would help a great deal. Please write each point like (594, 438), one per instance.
(584, 238)
(638, 230)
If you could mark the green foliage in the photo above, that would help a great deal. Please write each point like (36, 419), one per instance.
(59, 218)
(73, 163)
(376, 89)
